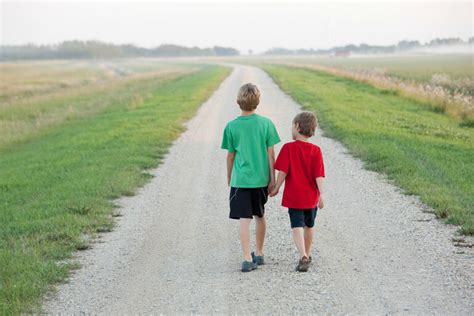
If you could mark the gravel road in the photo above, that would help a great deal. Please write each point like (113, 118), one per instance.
(175, 250)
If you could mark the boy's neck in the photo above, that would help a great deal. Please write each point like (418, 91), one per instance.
(247, 113)
(301, 137)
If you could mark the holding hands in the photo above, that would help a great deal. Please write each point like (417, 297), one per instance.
(273, 192)
(274, 187)
(271, 186)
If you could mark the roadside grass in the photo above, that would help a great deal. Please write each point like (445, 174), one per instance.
(28, 117)
(426, 153)
(57, 188)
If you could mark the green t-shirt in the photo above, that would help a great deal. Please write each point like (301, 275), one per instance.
(249, 137)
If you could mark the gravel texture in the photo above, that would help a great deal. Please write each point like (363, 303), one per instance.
(174, 250)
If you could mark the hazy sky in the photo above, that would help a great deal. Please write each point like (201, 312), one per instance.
(257, 25)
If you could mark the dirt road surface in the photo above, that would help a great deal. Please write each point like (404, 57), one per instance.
(175, 250)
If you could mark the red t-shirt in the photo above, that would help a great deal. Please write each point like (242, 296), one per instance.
(303, 163)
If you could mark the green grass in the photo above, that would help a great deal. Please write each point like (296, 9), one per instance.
(426, 153)
(30, 116)
(60, 184)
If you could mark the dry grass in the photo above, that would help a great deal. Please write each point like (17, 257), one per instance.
(55, 92)
(23, 80)
(442, 95)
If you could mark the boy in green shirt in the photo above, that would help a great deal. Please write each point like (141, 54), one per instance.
(249, 140)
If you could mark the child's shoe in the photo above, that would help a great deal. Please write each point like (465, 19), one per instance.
(258, 259)
(303, 264)
(248, 266)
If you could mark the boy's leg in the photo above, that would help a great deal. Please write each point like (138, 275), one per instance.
(299, 240)
(297, 224)
(308, 239)
(298, 237)
(245, 237)
(260, 230)
(310, 216)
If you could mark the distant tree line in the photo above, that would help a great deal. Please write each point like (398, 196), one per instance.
(372, 49)
(96, 49)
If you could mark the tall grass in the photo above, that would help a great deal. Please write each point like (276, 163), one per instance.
(456, 102)
(420, 68)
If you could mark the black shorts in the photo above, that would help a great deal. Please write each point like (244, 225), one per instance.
(302, 217)
(247, 202)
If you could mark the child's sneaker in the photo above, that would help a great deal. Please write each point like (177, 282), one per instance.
(258, 259)
(248, 266)
(303, 264)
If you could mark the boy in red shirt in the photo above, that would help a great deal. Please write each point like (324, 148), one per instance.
(302, 169)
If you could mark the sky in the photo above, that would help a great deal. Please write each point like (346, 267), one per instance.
(245, 24)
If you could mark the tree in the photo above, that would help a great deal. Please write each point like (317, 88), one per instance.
(95, 49)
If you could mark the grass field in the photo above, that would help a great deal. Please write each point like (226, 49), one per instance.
(23, 80)
(426, 153)
(52, 105)
(420, 68)
(58, 180)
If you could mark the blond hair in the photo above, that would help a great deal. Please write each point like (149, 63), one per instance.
(307, 123)
(248, 97)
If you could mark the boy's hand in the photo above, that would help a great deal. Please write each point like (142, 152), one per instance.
(321, 202)
(271, 185)
(274, 192)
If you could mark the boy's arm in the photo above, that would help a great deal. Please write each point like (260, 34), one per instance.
(320, 184)
(281, 178)
(230, 165)
(271, 166)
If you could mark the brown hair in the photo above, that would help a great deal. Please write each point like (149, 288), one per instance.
(307, 123)
(248, 97)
